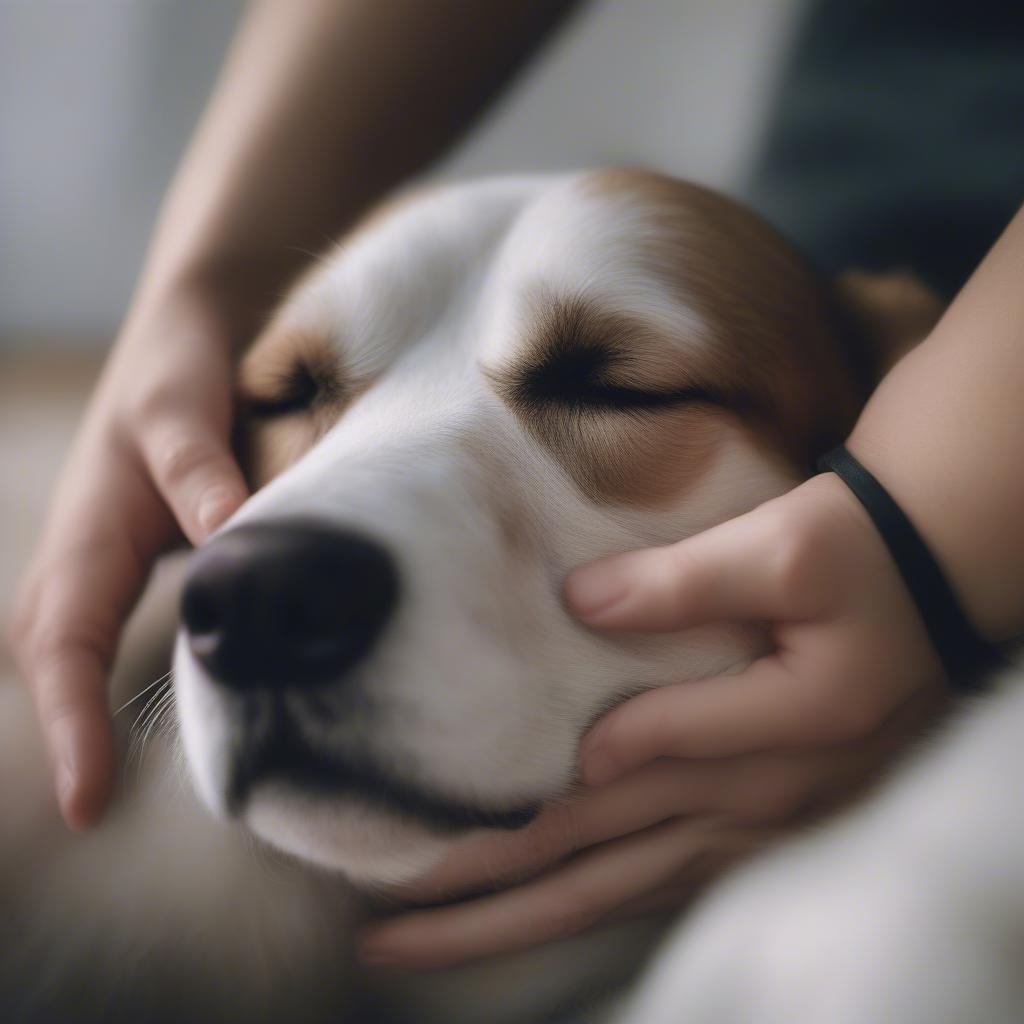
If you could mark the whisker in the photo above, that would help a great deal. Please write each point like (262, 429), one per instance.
(144, 718)
(154, 699)
(132, 700)
(166, 702)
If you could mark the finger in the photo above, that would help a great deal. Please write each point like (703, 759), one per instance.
(71, 701)
(71, 637)
(196, 474)
(560, 903)
(754, 788)
(655, 793)
(730, 572)
(492, 860)
(767, 706)
(728, 847)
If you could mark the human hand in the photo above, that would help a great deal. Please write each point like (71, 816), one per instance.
(682, 780)
(152, 455)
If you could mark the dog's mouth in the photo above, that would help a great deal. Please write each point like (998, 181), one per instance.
(282, 756)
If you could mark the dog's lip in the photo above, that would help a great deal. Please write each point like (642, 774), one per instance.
(285, 758)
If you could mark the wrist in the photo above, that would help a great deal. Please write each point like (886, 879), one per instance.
(963, 653)
(960, 502)
(224, 301)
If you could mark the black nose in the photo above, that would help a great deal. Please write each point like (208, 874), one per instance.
(292, 603)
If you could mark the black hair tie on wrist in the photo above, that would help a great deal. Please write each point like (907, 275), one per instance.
(964, 655)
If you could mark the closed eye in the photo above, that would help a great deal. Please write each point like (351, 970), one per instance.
(590, 376)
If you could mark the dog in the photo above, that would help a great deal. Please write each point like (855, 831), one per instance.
(908, 910)
(481, 387)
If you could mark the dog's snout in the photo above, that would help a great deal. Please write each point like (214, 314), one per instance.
(291, 603)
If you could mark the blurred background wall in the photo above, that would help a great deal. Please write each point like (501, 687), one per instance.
(98, 98)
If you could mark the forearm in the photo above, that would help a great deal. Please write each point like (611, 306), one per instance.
(321, 106)
(944, 432)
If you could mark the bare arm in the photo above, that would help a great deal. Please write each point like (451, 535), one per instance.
(322, 105)
(945, 433)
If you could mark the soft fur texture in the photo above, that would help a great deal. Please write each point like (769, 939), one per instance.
(908, 911)
(405, 391)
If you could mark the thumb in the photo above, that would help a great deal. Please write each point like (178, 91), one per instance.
(730, 572)
(196, 474)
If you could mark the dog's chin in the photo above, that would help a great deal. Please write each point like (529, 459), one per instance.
(371, 846)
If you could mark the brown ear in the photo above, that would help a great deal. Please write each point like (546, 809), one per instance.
(891, 312)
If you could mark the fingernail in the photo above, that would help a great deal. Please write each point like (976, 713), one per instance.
(595, 589)
(214, 507)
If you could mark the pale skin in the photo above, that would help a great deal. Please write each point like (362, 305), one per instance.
(676, 782)
(321, 107)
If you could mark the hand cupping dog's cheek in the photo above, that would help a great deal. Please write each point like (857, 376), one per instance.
(849, 648)
(600, 884)
(776, 742)
(649, 796)
(644, 843)
(684, 778)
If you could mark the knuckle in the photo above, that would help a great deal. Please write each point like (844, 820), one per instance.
(55, 635)
(800, 559)
(30, 636)
(179, 457)
(791, 561)
(58, 660)
(47, 644)
(150, 405)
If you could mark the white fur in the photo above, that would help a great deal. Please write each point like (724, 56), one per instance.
(481, 685)
(908, 911)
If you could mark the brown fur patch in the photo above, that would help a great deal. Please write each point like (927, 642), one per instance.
(892, 312)
(291, 389)
(631, 421)
(771, 352)
(267, 444)
(777, 346)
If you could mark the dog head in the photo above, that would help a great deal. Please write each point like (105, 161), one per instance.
(481, 389)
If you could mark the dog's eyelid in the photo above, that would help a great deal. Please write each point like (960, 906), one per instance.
(577, 378)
